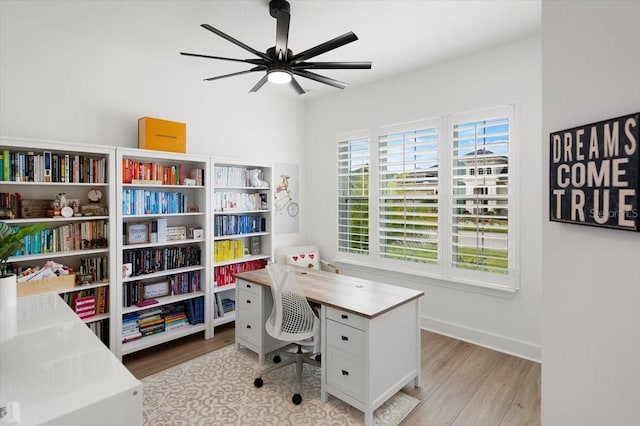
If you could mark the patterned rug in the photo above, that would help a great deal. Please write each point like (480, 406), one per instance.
(217, 389)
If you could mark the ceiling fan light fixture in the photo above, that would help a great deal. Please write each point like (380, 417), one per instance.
(279, 76)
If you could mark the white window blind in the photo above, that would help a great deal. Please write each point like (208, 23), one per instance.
(481, 192)
(408, 194)
(353, 195)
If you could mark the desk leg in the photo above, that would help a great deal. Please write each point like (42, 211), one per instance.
(368, 418)
(324, 396)
(417, 381)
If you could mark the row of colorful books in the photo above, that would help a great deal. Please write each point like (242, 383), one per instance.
(225, 275)
(136, 325)
(149, 260)
(142, 201)
(69, 237)
(238, 224)
(16, 166)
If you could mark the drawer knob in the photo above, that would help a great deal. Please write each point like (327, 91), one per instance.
(248, 326)
(345, 373)
(345, 338)
(248, 302)
(248, 285)
(345, 316)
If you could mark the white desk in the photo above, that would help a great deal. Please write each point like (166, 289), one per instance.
(370, 333)
(61, 374)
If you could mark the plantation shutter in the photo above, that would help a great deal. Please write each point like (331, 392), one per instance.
(481, 191)
(408, 192)
(353, 195)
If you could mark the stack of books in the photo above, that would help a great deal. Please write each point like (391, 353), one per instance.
(151, 322)
(130, 327)
(175, 317)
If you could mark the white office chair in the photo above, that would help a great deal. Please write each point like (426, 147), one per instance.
(307, 257)
(292, 320)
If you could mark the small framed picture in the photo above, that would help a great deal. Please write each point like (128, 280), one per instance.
(137, 233)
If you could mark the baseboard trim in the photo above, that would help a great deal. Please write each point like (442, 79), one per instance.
(481, 338)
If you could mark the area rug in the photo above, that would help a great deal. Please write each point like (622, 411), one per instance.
(217, 389)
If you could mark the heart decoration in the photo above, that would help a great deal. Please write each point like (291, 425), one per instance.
(302, 256)
(311, 255)
(295, 258)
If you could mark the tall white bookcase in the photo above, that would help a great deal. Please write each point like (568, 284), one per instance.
(162, 251)
(42, 170)
(241, 228)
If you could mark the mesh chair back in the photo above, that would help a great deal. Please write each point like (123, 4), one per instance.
(292, 318)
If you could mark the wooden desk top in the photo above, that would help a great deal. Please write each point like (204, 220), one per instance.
(358, 296)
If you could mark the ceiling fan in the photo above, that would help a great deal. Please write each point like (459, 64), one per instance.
(279, 62)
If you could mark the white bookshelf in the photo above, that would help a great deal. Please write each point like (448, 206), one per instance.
(32, 184)
(237, 218)
(192, 212)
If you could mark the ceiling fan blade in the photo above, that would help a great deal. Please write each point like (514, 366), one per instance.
(249, 61)
(332, 65)
(279, 9)
(325, 47)
(294, 83)
(254, 69)
(320, 78)
(259, 84)
(234, 41)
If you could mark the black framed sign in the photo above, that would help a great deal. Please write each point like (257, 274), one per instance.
(594, 174)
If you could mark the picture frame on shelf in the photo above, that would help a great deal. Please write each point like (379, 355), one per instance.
(137, 233)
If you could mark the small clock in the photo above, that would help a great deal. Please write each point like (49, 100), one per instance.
(66, 211)
(94, 195)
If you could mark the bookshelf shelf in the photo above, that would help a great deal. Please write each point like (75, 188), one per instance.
(164, 300)
(164, 273)
(153, 181)
(227, 318)
(241, 228)
(95, 318)
(42, 171)
(156, 339)
(219, 289)
(58, 254)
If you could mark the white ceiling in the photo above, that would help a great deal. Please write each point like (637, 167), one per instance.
(397, 36)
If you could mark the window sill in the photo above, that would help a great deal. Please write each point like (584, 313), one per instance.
(350, 267)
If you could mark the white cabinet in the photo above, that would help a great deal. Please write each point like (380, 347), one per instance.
(81, 234)
(241, 228)
(162, 252)
(56, 372)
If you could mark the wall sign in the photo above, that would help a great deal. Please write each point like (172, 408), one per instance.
(594, 177)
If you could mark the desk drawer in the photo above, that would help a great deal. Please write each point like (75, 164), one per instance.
(345, 338)
(345, 372)
(249, 287)
(249, 302)
(347, 318)
(249, 328)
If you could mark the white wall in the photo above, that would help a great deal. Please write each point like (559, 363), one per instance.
(63, 78)
(498, 76)
(591, 276)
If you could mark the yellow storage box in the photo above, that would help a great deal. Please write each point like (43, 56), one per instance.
(162, 135)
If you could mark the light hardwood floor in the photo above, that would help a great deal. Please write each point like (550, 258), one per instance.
(462, 384)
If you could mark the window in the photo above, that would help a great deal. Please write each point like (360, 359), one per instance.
(353, 195)
(439, 202)
(480, 204)
(408, 194)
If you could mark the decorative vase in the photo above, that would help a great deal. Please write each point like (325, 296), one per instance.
(8, 308)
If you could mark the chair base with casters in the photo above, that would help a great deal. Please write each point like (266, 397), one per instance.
(299, 358)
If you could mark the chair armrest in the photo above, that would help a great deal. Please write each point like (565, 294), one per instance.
(326, 266)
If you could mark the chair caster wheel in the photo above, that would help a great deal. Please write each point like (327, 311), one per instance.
(297, 399)
(318, 357)
(258, 382)
(277, 359)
